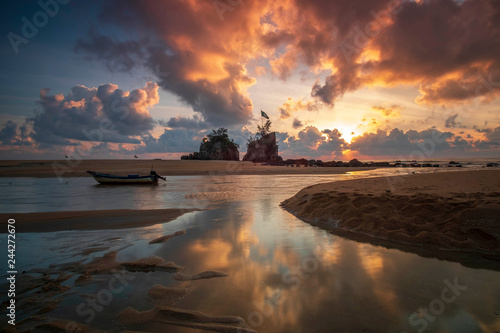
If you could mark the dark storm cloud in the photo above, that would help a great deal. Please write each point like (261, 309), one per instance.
(185, 140)
(188, 51)
(105, 114)
(171, 141)
(334, 143)
(219, 102)
(449, 48)
(116, 55)
(183, 122)
(311, 142)
(8, 134)
(11, 135)
(399, 143)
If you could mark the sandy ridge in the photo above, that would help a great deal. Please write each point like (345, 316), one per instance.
(457, 211)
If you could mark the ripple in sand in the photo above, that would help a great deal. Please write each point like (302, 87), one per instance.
(159, 294)
(188, 318)
(107, 264)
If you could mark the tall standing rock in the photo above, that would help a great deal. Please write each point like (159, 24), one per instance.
(264, 149)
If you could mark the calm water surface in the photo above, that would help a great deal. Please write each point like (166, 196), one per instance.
(284, 275)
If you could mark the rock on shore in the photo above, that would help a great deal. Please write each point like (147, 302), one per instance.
(264, 149)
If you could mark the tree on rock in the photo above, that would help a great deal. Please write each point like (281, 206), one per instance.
(216, 146)
(264, 129)
(220, 136)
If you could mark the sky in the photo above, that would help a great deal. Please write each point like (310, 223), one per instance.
(339, 79)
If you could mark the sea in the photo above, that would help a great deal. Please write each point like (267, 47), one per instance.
(284, 275)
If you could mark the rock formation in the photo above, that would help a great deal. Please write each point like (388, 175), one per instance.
(219, 151)
(217, 146)
(264, 149)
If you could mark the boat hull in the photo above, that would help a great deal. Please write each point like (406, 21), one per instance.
(123, 180)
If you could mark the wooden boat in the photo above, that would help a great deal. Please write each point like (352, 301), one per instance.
(104, 178)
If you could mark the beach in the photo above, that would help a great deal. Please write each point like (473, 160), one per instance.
(446, 211)
(211, 248)
(79, 168)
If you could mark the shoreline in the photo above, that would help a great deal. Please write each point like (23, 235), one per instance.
(89, 220)
(426, 213)
(70, 169)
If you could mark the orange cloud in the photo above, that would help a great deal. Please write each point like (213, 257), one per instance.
(388, 111)
(449, 48)
(291, 106)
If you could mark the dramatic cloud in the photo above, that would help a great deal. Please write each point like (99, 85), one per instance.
(10, 135)
(388, 111)
(297, 123)
(426, 144)
(311, 142)
(185, 139)
(444, 52)
(493, 136)
(200, 50)
(448, 47)
(105, 114)
(116, 55)
(193, 54)
(291, 106)
(334, 144)
(182, 122)
(171, 141)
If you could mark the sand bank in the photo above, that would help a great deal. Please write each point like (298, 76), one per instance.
(41, 291)
(456, 211)
(69, 169)
(89, 220)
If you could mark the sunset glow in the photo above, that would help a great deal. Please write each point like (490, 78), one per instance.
(183, 68)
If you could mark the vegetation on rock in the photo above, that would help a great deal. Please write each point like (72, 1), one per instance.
(216, 146)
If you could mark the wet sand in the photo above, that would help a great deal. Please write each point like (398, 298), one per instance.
(41, 291)
(43, 294)
(68, 168)
(89, 220)
(455, 211)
